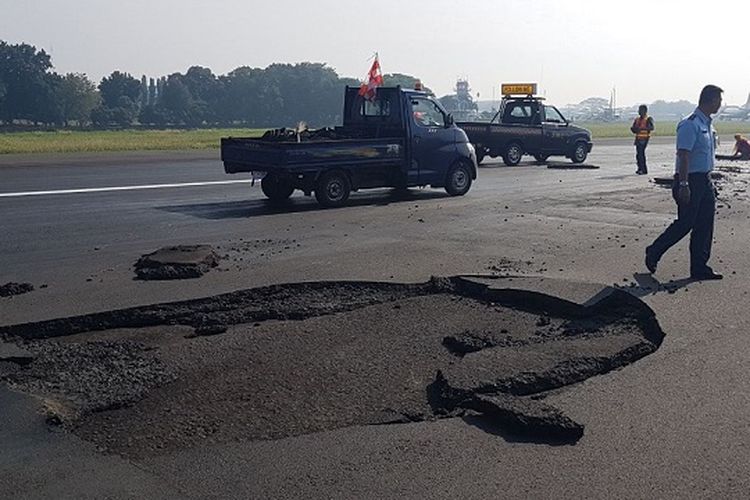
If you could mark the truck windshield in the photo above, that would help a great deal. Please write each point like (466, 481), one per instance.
(427, 113)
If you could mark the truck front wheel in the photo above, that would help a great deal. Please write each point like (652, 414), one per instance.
(580, 152)
(276, 188)
(333, 189)
(512, 155)
(459, 179)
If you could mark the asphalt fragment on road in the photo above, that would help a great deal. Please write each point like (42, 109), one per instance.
(10, 289)
(176, 262)
(287, 360)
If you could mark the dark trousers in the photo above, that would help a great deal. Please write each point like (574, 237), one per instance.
(640, 155)
(696, 218)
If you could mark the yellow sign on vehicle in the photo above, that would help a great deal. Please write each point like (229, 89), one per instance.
(518, 88)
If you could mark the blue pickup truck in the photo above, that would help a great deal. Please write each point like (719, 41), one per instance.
(402, 138)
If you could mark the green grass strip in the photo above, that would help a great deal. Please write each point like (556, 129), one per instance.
(66, 141)
(667, 128)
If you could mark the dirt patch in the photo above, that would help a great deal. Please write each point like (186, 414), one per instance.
(176, 262)
(10, 289)
(295, 359)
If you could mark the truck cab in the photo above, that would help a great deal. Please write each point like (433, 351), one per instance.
(526, 125)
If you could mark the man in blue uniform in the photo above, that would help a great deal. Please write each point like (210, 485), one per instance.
(693, 190)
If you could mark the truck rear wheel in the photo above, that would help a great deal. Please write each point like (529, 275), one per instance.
(512, 155)
(580, 152)
(333, 189)
(458, 181)
(276, 188)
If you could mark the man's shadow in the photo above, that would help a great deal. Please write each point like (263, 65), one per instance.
(648, 285)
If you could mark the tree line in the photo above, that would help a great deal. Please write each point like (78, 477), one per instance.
(31, 93)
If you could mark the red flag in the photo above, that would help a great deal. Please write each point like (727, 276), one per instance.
(374, 80)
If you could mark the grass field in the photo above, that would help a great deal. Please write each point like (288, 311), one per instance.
(150, 140)
(120, 140)
(622, 129)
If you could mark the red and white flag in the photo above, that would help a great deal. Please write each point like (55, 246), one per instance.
(374, 80)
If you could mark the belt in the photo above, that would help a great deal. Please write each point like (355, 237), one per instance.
(695, 174)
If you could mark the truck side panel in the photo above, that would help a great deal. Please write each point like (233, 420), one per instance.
(247, 155)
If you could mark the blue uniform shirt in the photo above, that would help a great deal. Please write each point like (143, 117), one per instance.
(696, 134)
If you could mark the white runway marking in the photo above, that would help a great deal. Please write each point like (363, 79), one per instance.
(120, 188)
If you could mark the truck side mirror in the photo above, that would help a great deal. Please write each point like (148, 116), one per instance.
(449, 121)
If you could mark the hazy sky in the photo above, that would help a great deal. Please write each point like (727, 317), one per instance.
(647, 50)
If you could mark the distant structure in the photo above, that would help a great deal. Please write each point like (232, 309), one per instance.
(461, 105)
(735, 113)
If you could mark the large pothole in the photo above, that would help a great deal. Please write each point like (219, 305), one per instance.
(293, 359)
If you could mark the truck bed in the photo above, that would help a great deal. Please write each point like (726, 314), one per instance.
(253, 154)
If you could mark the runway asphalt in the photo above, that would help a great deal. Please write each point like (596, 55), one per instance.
(672, 425)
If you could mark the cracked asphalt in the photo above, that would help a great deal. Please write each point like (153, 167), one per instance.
(672, 425)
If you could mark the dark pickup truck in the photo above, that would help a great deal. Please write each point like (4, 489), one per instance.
(525, 125)
(400, 139)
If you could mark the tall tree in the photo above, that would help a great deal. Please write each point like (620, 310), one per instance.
(151, 92)
(77, 96)
(23, 73)
(144, 92)
(119, 85)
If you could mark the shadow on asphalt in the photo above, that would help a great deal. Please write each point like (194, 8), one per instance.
(648, 285)
(485, 424)
(296, 204)
(499, 164)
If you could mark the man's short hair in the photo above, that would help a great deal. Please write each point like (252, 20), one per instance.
(709, 93)
(642, 107)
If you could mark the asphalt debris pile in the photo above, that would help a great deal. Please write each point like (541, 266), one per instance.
(177, 262)
(294, 359)
(79, 378)
(10, 289)
(731, 181)
(237, 252)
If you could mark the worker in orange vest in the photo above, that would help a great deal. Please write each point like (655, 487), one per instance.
(642, 127)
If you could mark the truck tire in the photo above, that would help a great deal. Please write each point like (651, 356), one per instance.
(580, 152)
(333, 189)
(276, 188)
(512, 155)
(458, 181)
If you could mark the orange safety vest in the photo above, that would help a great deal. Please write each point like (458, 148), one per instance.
(643, 132)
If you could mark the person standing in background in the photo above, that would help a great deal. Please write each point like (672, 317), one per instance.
(642, 128)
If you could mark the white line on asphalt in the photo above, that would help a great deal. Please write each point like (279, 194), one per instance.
(120, 188)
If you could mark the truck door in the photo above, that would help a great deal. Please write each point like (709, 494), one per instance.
(525, 118)
(433, 143)
(555, 131)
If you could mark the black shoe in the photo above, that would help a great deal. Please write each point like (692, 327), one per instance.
(710, 275)
(651, 262)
